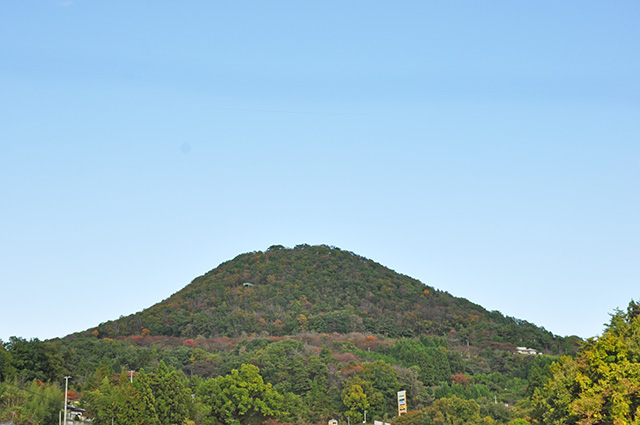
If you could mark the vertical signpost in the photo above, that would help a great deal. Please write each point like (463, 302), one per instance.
(402, 402)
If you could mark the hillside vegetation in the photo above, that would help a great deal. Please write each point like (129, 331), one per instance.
(327, 290)
(304, 335)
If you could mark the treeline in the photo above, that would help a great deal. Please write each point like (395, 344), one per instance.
(314, 377)
(308, 379)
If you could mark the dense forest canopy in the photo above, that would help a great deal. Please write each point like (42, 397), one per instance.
(314, 333)
(323, 289)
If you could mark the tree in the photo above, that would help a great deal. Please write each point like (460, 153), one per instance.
(379, 381)
(33, 403)
(171, 396)
(101, 403)
(6, 369)
(455, 411)
(602, 385)
(125, 403)
(241, 397)
(431, 358)
(141, 401)
(551, 403)
(355, 400)
(413, 417)
(35, 359)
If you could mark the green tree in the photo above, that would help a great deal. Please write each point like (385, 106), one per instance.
(519, 421)
(456, 411)
(101, 404)
(318, 400)
(6, 369)
(355, 400)
(552, 403)
(384, 380)
(35, 359)
(241, 397)
(171, 396)
(124, 403)
(602, 385)
(33, 403)
(141, 401)
(412, 417)
(433, 360)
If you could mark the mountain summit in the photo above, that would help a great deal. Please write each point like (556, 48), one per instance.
(322, 289)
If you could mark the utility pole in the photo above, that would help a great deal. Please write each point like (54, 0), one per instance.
(131, 374)
(365, 417)
(66, 393)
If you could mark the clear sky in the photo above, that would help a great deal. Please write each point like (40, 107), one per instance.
(490, 149)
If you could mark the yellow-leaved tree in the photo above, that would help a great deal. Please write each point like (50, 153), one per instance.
(602, 384)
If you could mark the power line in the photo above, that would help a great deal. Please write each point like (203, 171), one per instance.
(29, 391)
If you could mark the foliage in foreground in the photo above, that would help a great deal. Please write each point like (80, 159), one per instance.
(312, 378)
(602, 384)
(306, 379)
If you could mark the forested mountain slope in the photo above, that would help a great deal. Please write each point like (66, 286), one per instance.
(327, 290)
(319, 332)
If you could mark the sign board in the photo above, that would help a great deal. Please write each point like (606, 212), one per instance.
(402, 402)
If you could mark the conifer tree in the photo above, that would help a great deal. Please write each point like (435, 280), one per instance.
(171, 395)
(101, 403)
(141, 401)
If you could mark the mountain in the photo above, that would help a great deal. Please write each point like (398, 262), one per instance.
(327, 333)
(323, 289)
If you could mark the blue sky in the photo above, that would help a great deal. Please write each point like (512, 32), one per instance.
(489, 149)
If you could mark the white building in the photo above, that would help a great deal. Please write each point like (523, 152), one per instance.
(526, 351)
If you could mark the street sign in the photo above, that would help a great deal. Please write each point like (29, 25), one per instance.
(402, 402)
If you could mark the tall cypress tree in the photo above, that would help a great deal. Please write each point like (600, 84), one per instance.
(172, 397)
(146, 400)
